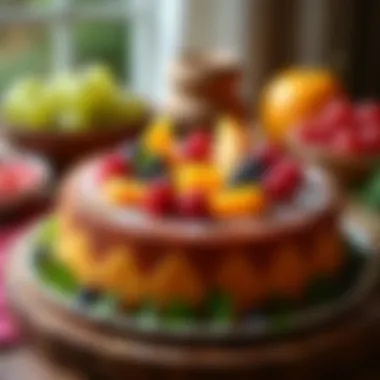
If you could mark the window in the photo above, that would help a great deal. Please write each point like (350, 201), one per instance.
(137, 38)
(40, 36)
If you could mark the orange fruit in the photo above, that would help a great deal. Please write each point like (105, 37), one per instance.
(159, 138)
(295, 95)
(238, 202)
(124, 192)
(202, 177)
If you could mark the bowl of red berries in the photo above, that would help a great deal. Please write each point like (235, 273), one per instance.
(24, 184)
(344, 138)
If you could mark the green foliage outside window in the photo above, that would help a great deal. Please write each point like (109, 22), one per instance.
(92, 41)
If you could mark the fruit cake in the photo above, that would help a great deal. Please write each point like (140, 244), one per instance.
(180, 218)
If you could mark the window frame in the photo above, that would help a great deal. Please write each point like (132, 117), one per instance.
(61, 15)
(159, 29)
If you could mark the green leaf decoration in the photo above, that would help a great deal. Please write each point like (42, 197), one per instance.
(219, 308)
(58, 276)
(178, 313)
(280, 323)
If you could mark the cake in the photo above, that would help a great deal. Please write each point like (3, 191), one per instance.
(205, 218)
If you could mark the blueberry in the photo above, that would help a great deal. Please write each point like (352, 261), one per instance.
(151, 167)
(88, 296)
(249, 171)
(132, 152)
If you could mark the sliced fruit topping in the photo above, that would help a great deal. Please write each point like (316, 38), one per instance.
(231, 142)
(282, 181)
(114, 165)
(125, 192)
(204, 178)
(160, 198)
(159, 138)
(197, 146)
(238, 202)
(193, 205)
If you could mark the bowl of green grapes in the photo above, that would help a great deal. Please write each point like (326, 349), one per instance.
(71, 115)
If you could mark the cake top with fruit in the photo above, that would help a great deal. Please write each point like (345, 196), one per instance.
(204, 175)
(89, 99)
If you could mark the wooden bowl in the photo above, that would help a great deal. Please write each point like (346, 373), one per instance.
(65, 148)
(347, 169)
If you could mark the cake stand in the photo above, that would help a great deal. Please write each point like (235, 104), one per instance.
(340, 348)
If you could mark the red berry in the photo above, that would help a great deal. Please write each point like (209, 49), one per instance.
(9, 183)
(368, 113)
(26, 176)
(316, 132)
(282, 180)
(197, 146)
(346, 142)
(339, 112)
(269, 154)
(193, 205)
(160, 198)
(369, 137)
(114, 165)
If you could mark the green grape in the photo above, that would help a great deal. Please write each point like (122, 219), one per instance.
(37, 115)
(73, 120)
(18, 101)
(60, 91)
(97, 87)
